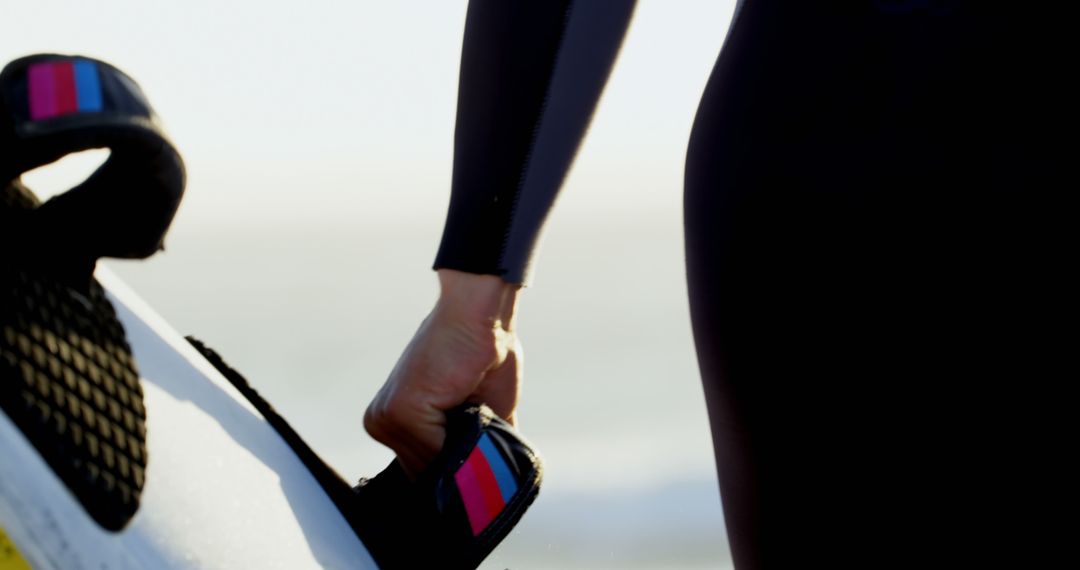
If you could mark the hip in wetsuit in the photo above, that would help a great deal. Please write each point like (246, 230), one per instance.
(874, 214)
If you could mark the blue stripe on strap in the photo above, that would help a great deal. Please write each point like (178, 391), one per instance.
(506, 480)
(87, 86)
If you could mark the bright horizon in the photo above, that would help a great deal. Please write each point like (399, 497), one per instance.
(343, 111)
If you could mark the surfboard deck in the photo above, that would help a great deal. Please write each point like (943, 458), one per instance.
(223, 490)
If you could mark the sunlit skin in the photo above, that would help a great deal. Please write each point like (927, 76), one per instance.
(465, 350)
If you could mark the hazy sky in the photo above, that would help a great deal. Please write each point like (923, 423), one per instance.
(332, 111)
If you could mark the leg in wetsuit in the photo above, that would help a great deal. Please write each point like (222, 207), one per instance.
(873, 213)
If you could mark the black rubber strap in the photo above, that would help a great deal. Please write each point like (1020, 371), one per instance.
(55, 105)
(465, 503)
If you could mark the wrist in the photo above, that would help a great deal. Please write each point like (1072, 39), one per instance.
(471, 297)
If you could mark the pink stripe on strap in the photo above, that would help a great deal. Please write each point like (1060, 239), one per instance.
(41, 82)
(473, 498)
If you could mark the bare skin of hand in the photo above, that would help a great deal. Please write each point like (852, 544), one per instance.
(464, 351)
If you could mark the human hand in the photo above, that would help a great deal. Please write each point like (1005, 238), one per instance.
(465, 350)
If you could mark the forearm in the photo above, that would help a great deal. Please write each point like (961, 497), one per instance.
(531, 75)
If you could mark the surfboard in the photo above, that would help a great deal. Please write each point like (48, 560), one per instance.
(222, 490)
(123, 444)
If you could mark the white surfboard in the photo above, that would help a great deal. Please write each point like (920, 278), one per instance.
(223, 489)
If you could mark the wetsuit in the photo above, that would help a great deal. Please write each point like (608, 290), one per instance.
(875, 212)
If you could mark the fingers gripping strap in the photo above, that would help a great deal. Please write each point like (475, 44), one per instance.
(54, 105)
(457, 511)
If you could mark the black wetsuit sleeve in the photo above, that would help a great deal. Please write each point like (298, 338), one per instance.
(531, 73)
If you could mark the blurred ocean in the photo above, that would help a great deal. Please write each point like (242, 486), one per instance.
(315, 317)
